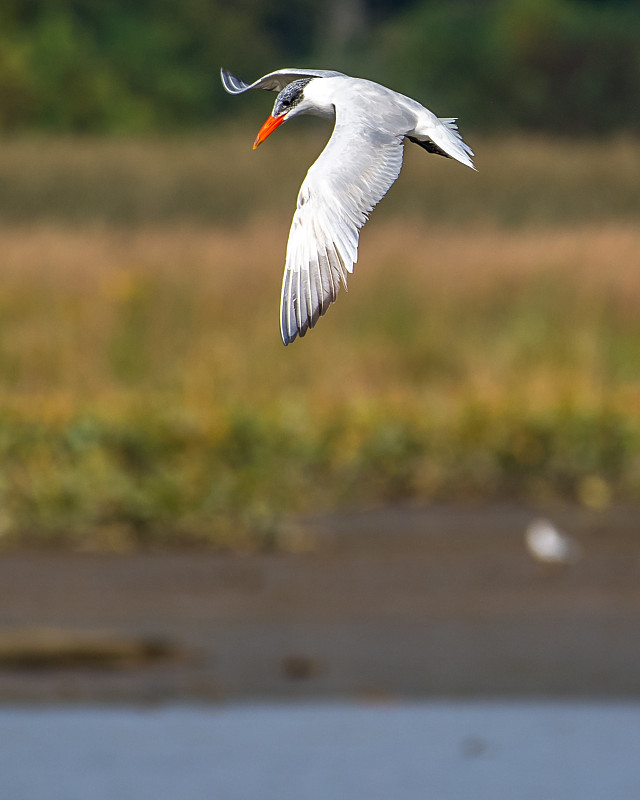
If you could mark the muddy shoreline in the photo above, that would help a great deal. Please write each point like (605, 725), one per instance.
(397, 602)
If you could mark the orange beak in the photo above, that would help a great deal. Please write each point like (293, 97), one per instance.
(269, 127)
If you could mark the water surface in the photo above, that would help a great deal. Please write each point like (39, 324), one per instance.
(341, 751)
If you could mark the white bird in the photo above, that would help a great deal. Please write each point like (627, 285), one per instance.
(546, 543)
(352, 174)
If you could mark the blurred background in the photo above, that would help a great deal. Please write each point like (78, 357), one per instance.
(489, 348)
(434, 494)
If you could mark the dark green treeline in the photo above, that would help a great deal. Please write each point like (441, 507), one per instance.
(563, 66)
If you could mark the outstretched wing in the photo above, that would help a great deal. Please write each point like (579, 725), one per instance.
(274, 81)
(349, 178)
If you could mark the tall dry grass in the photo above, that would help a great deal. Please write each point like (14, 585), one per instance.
(92, 314)
(145, 395)
(219, 179)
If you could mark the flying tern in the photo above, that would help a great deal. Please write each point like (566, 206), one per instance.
(352, 174)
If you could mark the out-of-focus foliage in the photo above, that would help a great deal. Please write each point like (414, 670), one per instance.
(113, 65)
(146, 398)
(557, 65)
(489, 348)
(218, 180)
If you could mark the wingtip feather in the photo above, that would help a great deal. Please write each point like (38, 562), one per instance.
(231, 83)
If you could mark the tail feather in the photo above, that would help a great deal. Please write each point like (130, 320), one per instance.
(451, 141)
(443, 133)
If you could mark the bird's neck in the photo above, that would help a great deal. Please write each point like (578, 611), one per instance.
(320, 95)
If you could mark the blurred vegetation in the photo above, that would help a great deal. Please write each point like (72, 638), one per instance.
(218, 179)
(570, 66)
(489, 349)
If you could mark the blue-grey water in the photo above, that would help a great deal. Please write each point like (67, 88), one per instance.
(341, 751)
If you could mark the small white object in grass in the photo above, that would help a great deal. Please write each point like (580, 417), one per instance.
(546, 543)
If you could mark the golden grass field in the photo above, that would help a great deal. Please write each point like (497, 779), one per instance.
(488, 347)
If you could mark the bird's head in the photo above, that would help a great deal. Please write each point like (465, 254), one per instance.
(289, 103)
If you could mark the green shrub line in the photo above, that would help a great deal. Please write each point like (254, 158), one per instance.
(161, 480)
(120, 67)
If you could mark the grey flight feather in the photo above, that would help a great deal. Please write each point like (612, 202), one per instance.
(349, 178)
(273, 81)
